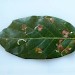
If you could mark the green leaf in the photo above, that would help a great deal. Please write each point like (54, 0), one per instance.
(38, 37)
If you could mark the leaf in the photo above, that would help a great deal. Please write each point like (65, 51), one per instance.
(38, 37)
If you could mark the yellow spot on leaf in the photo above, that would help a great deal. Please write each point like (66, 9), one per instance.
(52, 20)
(67, 50)
(24, 27)
(38, 50)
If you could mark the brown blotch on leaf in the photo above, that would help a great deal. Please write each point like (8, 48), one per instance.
(65, 33)
(38, 50)
(60, 41)
(40, 27)
(60, 47)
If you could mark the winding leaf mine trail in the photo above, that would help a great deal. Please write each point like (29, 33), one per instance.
(38, 37)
